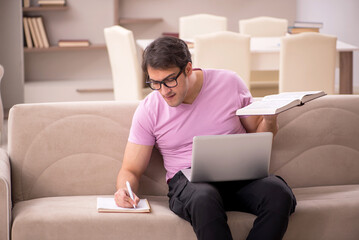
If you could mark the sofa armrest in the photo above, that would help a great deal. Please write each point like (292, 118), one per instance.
(5, 195)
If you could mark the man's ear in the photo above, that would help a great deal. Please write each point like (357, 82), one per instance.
(188, 69)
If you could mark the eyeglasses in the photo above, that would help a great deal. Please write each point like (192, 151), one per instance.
(170, 82)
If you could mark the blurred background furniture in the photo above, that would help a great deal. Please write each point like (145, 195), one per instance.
(266, 54)
(265, 57)
(264, 82)
(128, 81)
(307, 62)
(224, 50)
(264, 27)
(197, 24)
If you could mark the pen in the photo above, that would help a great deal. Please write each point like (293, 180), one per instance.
(130, 192)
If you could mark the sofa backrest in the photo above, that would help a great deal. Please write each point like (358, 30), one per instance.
(59, 149)
(318, 143)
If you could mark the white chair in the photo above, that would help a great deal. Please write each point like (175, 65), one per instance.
(1, 106)
(192, 25)
(264, 82)
(264, 27)
(224, 50)
(128, 81)
(307, 62)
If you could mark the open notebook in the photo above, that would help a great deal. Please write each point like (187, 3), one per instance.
(107, 204)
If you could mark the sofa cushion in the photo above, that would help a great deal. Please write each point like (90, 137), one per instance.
(65, 149)
(325, 213)
(318, 143)
(322, 213)
(77, 218)
(82, 144)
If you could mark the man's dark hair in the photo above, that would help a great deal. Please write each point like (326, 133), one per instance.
(166, 52)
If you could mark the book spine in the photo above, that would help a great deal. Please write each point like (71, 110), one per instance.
(42, 32)
(26, 3)
(294, 30)
(44, 3)
(27, 33)
(32, 31)
(73, 43)
(37, 32)
(308, 24)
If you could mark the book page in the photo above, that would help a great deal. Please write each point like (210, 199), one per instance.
(108, 204)
(291, 95)
(276, 103)
(267, 107)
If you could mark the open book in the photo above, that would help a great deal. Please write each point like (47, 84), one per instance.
(274, 104)
(107, 204)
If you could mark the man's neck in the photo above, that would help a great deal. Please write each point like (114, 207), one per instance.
(196, 82)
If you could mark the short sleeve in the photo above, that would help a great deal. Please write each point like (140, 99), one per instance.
(244, 95)
(141, 131)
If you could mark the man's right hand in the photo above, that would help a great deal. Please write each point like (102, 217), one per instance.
(123, 199)
(134, 164)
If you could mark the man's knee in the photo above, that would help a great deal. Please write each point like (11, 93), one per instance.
(206, 196)
(206, 203)
(279, 197)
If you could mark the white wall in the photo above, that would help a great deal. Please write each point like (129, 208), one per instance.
(340, 18)
(171, 10)
(84, 19)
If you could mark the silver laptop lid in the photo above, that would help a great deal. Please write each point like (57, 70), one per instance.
(231, 157)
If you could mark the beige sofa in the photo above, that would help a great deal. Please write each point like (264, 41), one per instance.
(63, 155)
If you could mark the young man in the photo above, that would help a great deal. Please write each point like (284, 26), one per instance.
(189, 102)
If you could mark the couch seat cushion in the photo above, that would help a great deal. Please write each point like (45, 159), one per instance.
(322, 213)
(325, 213)
(76, 217)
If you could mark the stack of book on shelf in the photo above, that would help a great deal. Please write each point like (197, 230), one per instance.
(35, 33)
(51, 3)
(73, 43)
(299, 27)
(26, 3)
(170, 34)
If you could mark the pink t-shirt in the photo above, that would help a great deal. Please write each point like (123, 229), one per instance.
(171, 129)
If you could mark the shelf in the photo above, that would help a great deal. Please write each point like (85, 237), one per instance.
(39, 9)
(59, 49)
(94, 90)
(264, 84)
(139, 20)
(63, 90)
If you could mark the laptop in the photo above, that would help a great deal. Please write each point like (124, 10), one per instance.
(232, 157)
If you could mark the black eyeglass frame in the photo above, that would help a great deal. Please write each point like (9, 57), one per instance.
(148, 82)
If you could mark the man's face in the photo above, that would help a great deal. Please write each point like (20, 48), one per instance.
(173, 96)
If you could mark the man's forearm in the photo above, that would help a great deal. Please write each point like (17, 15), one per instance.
(124, 176)
(268, 124)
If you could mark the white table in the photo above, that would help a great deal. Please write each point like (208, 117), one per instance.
(265, 57)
